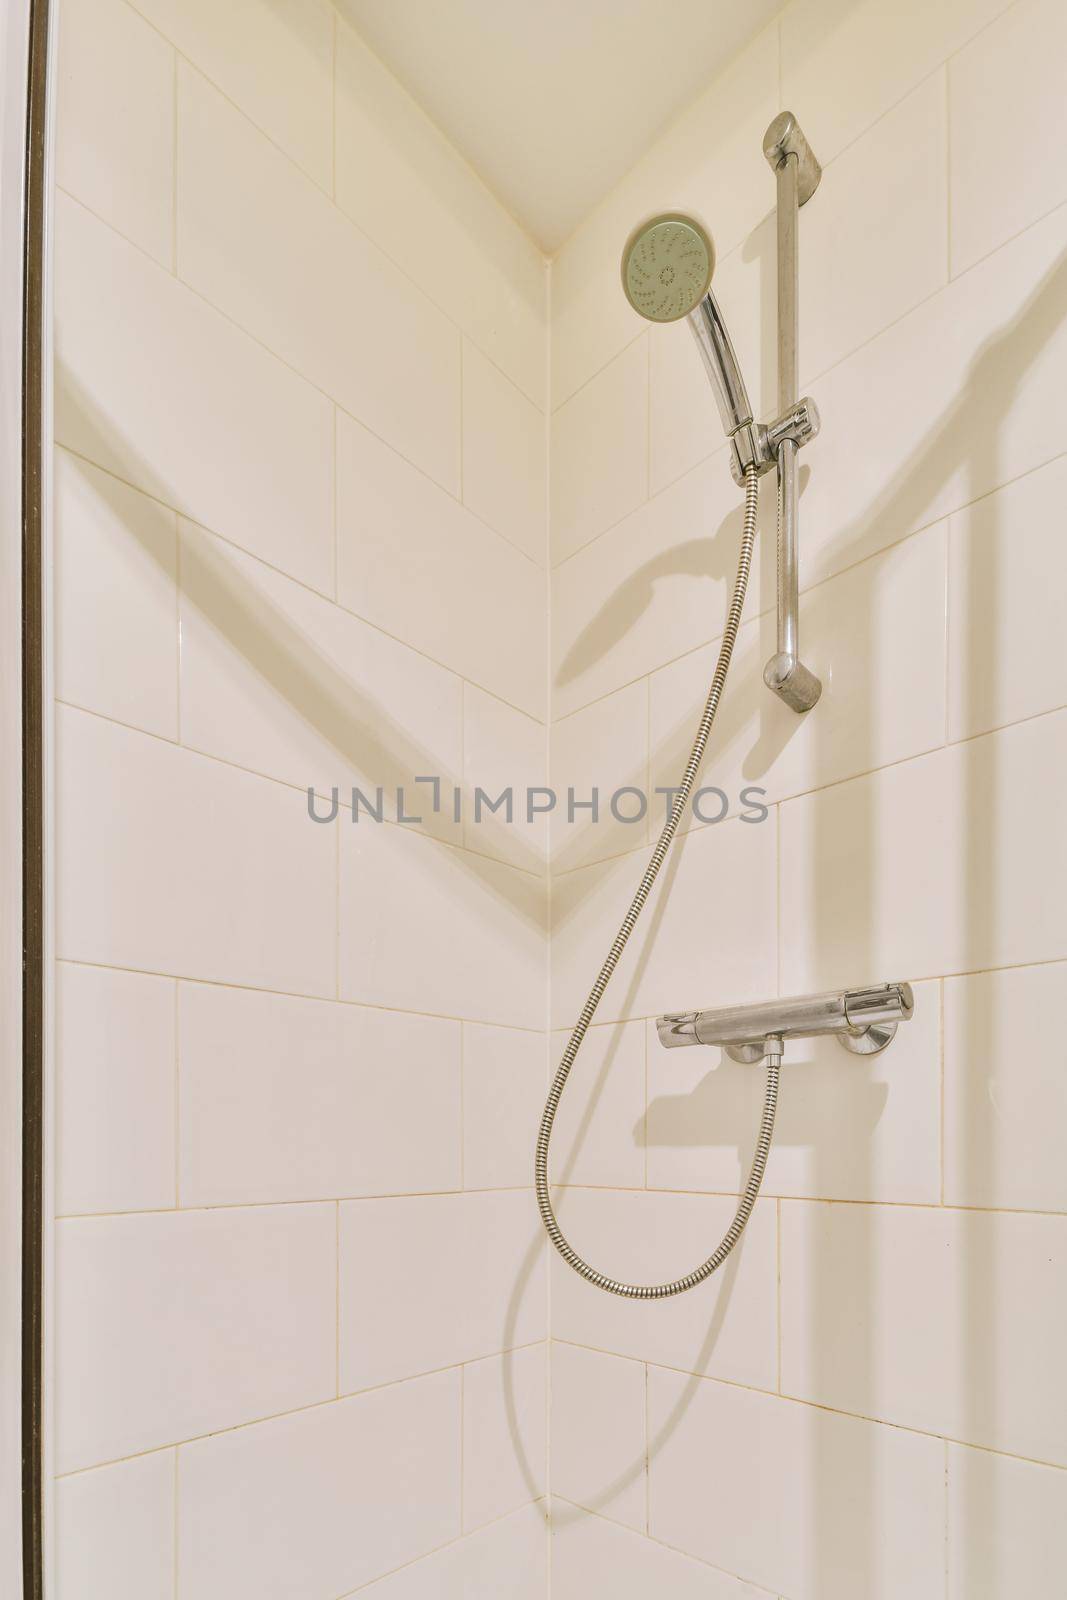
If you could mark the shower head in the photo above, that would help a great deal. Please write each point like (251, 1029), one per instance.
(667, 265)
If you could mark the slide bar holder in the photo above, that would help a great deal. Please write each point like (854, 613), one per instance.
(862, 1020)
(798, 174)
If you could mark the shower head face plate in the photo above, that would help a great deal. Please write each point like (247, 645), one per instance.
(667, 266)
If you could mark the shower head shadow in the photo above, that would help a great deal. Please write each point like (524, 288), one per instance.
(667, 266)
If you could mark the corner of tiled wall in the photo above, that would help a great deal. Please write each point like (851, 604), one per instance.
(858, 1405)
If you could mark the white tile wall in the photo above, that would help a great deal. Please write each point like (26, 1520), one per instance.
(275, 61)
(321, 1502)
(252, 457)
(507, 1557)
(504, 749)
(417, 564)
(504, 1086)
(289, 268)
(406, 186)
(949, 1321)
(425, 927)
(975, 824)
(504, 456)
(505, 1442)
(239, 573)
(588, 1552)
(374, 1107)
(601, 748)
(1005, 1526)
(1004, 169)
(680, 950)
(599, 1135)
(598, 1433)
(182, 1323)
(149, 837)
(114, 1531)
(1004, 1092)
(116, 599)
(1001, 668)
(116, 1045)
(279, 680)
(115, 128)
(727, 1326)
(463, 1276)
(599, 446)
(804, 1502)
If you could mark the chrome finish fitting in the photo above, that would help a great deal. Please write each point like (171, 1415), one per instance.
(862, 1020)
(797, 173)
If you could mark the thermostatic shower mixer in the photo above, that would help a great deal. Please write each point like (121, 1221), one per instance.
(862, 1020)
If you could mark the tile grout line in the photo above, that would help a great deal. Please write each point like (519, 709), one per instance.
(302, 377)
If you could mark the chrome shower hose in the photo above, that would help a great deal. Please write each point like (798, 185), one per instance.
(662, 1291)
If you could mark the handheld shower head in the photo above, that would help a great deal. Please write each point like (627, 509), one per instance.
(667, 265)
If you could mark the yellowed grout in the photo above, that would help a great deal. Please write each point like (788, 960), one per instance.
(294, 1411)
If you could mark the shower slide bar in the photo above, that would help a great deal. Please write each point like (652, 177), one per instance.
(862, 1020)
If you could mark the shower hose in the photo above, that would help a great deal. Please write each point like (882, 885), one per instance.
(662, 1291)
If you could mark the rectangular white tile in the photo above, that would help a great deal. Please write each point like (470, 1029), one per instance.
(679, 956)
(281, 681)
(425, 927)
(1008, 121)
(116, 599)
(164, 392)
(858, 276)
(182, 1323)
(273, 58)
(949, 403)
(726, 1326)
(948, 1321)
(596, 753)
(504, 1088)
(847, 1127)
(1004, 658)
(114, 1531)
(402, 181)
(505, 456)
(829, 1488)
(599, 452)
(599, 1135)
(170, 862)
(115, 121)
(589, 1554)
(1006, 1522)
(463, 1276)
(504, 751)
(291, 269)
(879, 703)
(116, 1067)
(505, 1442)
(951, 863)
(598, 1433)
(319, 1503)
(285, 1099)
(416, 563)
(653, 587)
(845, 63)
(509, 1557)
(1005, 1096)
